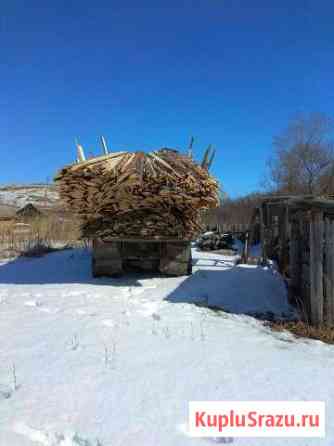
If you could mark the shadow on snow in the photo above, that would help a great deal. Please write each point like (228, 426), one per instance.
(236, 289)
(240, 289)
(62, 267)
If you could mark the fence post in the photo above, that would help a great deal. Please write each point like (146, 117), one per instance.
(329, 271)
(284, 235)
(251, 227)
(246, 248)
(263, 235)
(316, 267)
(294, 258)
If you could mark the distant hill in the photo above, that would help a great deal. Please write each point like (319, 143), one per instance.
(43, 196)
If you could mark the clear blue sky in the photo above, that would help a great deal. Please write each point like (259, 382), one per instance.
(151, 73)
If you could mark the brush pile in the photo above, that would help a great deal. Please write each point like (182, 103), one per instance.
(212, 241)
(157, 195)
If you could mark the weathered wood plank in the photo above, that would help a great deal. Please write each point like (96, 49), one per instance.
(161, 194)
(294, 258)
(262, 235)
(114, 258)
(316, 268)
(329, 272)
(284, 237)
(245, 254)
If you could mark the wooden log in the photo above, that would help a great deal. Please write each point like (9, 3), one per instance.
(316, 268)
(329, 272)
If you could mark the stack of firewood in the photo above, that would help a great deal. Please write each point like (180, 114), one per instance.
(139, 195)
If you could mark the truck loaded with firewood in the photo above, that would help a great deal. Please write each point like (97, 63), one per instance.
(141, 210)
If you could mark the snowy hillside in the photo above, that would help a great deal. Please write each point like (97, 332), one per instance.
(111, 362)
(41, 195)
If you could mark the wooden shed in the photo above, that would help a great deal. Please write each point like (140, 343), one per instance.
(298, 232)
(28, 212)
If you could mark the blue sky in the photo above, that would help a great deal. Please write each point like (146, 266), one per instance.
(152, 73)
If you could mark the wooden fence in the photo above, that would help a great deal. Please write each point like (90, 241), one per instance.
(229, 227)
(299, 234)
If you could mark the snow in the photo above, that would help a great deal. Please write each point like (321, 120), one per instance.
(115, 362)
(240, 289)
(238, 246)
(255, 250)
(19, 196)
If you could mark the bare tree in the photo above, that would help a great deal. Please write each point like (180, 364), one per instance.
(303, 160)
(234, 211)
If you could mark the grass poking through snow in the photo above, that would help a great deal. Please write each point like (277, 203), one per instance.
(305, 330)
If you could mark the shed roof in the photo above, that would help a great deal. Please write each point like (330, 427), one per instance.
(29, 210)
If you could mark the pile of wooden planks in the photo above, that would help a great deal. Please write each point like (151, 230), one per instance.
(139, 195)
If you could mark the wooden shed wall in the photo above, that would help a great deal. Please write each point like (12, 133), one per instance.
(300, 236)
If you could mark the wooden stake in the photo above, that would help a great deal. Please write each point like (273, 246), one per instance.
(190, 149)
(211, 158)
(80, 153)
(206, 157)
(104, 145)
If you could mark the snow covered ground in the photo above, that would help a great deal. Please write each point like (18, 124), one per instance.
(110, 362)
(19, 196)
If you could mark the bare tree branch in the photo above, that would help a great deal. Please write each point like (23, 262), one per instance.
(303, 156)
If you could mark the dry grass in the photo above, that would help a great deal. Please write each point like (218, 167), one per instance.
(37, 236)
(39, 250)
(304, 330)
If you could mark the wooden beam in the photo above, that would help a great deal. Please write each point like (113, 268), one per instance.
(284, 236)
(80, 153)
(95, 160)
(245, 254)
(329, 272)
(211, 158)
(251, 226)
(263, 235)
(294, 256)
(204, 163)
(190, 148)
(104, 145)
(316, 268)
